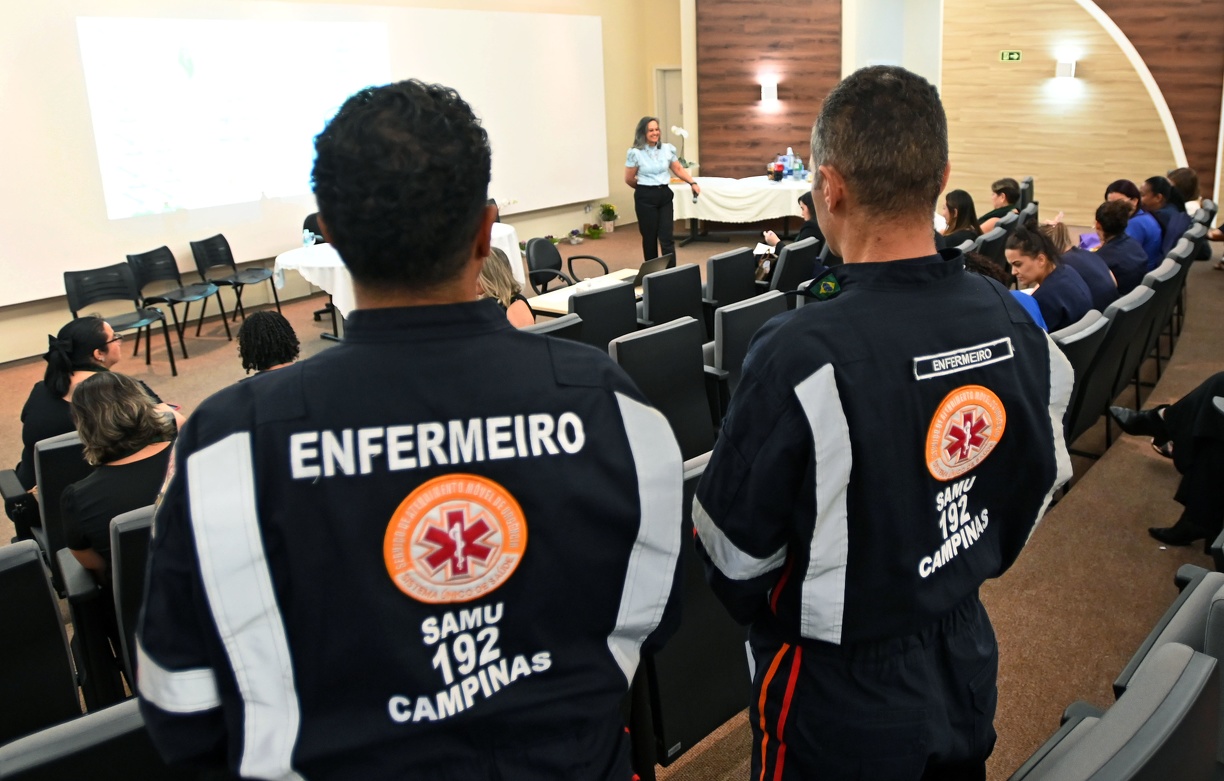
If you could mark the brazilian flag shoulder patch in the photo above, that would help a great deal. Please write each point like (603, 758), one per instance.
(824, 288)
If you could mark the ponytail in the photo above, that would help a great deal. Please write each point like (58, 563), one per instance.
(72, 350)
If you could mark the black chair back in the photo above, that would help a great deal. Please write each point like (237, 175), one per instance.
(106, 745)
(156, 264)
(58, 463)
(734, 327)
(665, 362)
(1026, 193)
(129, 536)
(673, 293)
(544, 265)
(1028, 213)
(1125, 316)
(606, 312)
(1008, 222)
(213, 252)
(796, 264)
(109, 283)
(1080, 343)
(992, 244)
(37, 683)
(731, 277)
(1163, 283)
(708, 646)
(564, 327)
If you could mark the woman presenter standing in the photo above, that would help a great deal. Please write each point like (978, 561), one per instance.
(648, 169)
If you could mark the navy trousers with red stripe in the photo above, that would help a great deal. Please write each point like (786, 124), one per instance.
(910, 709)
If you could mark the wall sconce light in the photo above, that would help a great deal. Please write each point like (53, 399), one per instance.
(1065, 69)
(769, 90)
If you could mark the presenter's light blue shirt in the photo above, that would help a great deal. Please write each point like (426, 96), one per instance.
(653, 163)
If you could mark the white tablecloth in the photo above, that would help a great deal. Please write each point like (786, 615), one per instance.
(321, 266)
(739, 200)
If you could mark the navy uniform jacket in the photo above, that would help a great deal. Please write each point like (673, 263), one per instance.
(431, 551)
(1126, 259)
(1063, 297)
(1096, 275)
(887, 451)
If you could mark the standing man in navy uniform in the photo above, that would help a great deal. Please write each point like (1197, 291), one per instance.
(434, 551)
(890, 447)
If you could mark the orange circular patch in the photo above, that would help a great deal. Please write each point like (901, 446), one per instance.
(454, 539)
(967, 425)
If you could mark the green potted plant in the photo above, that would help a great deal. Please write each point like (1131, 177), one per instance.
(607, 214)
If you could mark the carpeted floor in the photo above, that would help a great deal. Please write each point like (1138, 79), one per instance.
(1068, 615)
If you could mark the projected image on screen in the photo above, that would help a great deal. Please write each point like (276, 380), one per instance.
(195, 113)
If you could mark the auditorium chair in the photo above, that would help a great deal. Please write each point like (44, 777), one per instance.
(107, 745)
(37, 683)
(544, 265)
(1026, 193)
(214, 253)
(1125, 315)
(117, 283)
(129, 536)
(665, 363)
(730, 277)
(683, 706)
(1163, 727)
(1028, 213)
(1167, 280)
(734, 327)
(159, 265)
(796, 263)
(564, 327)
(670, 294)
(1008, 222)
(59, 462)
(607, 312)
(1080, 342)
(1183, 253)
(991, 244)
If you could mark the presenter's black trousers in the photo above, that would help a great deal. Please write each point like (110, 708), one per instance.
(653, 204)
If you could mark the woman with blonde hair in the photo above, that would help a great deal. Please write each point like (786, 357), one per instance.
(127, 437)
(498, 283)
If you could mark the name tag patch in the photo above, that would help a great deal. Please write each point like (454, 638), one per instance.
(928, 366)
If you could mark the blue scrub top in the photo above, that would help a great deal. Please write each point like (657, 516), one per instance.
(1144, 229)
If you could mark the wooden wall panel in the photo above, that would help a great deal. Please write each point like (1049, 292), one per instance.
(737, 40)
(1011, 119)
(1182, 42)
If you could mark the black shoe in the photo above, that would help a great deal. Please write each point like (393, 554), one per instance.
(1145, 423)
(1177, 536)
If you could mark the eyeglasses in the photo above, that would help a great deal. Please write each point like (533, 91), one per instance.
(115, 338)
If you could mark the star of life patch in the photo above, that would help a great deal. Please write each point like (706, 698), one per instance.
(967, 425)
(963, 359)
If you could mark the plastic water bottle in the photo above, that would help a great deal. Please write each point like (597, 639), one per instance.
(307, 237)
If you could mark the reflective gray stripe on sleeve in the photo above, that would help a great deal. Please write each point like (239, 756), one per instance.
(1062, 379)
(656, 550)
(730, 560)
(238, 585)
(824, 585)
(175, 691)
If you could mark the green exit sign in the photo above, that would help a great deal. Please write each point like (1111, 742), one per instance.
(1009, 56)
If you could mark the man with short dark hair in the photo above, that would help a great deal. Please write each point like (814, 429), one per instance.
(891, 446)
(1124, 256)
(435, 550)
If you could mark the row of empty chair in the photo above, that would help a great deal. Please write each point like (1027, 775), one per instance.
(130, 281)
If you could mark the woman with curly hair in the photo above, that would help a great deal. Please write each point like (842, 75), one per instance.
(266, 341)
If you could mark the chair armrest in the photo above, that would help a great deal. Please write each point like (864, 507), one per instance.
(548, 274)
(709, 302)
(1080, 710)
(762, 285)
(572, 258)
(1187, 574)
(1217, 552)
(643, 323)
(10, 487)
(80, 586)
(719, 374)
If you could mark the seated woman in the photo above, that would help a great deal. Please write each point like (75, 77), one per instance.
(1193, 429)
(1097, 276)
(980, 264)
(497, 282)
(1059, 291)
(961, 216)
(1141, 226)
(1004, 195)
(127, 436)
(1124, 256)
(83, 347)
(266, 341)
(1165, 203)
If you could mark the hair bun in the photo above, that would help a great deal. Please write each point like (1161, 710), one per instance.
(59, 345)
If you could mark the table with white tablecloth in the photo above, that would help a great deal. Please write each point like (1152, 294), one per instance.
(737, 201)
(321, 266)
